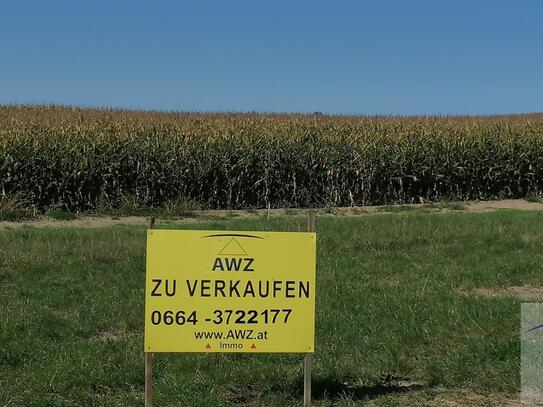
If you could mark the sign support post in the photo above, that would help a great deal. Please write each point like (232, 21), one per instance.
(148, 379)
(308, 362)
(149, 356)
(308, 359)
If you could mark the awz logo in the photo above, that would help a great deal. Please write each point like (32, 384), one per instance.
(233, 264)
(233, 256)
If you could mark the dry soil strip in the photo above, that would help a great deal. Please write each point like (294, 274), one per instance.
(106, 221)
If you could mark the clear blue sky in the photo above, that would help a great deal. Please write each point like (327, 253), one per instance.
(365, 57)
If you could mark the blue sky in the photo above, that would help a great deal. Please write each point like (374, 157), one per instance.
(363, 57)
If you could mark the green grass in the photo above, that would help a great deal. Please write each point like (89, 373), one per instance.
(12, 209)
(290, 211)
(428, 207)
(537, 198)
(398, 208)
(15, 214)
(59, 214)
(450, 206)
(391, 305)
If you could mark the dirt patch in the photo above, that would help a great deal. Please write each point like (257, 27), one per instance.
(466, 399)
(111, 335)
(205, 216)
(90, 221)
(488, 206)
(524, 293)
(461, 398)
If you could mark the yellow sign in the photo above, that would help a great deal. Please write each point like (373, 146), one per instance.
(217, 291)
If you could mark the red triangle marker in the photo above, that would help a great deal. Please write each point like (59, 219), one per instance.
(208, 346)
(253, 346)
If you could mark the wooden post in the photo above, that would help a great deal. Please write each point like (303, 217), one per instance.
(148, 379)
(311, 218)
(308, 359)
(149, 356)
(308, 362)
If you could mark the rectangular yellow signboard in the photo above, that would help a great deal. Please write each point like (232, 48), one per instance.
(233, 291)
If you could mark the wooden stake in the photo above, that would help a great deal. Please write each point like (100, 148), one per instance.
(308, 362)
(311, 219)
(149, 356)
(308, 359)
(148, 379)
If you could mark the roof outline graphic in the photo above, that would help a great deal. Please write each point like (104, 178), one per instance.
(233, 234)
(535, 328)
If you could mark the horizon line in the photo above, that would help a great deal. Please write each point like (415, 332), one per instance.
(113, 108)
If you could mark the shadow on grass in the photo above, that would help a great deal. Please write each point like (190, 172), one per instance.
(332, 388)
(324, 388)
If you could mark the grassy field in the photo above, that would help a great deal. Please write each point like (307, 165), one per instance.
(400, 315)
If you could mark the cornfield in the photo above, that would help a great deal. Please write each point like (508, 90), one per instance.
(82, 159)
